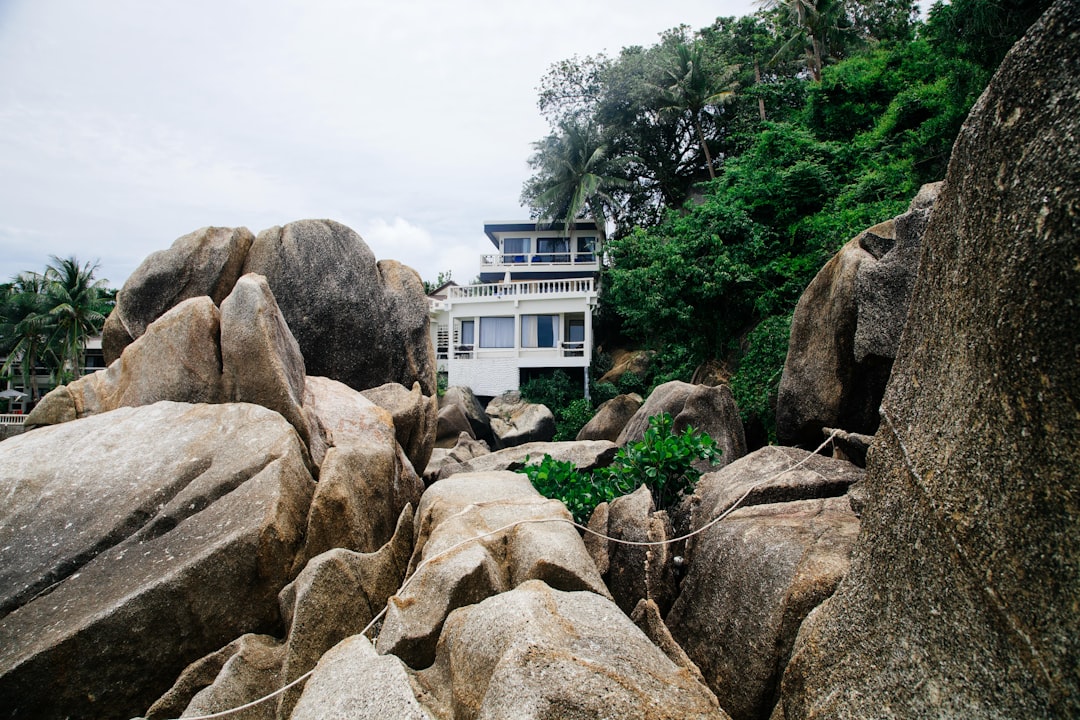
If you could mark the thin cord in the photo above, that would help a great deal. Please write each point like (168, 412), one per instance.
(529, 521)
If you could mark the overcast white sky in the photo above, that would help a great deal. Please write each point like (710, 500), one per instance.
(125, 124)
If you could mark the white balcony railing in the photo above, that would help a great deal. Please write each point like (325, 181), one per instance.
(520, 261)
(12, 419)
(522, 288)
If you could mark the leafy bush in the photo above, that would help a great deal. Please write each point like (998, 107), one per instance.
(755, 383)
(660, 460)
(580, 491)
(572, 418)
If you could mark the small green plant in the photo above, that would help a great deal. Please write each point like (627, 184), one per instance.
(580, 491)
(661, 460)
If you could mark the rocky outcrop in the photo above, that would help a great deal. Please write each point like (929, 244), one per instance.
(610, 418)
(961, 598)
(114, 531)
(207, 262)
(469, 514)
(463, 451)
(846, 329)
(537, 652)
(516, 422)
(707, 409)
(752, 580)
(451, 424)
(356, 320)
(415, 419)
(585, 455)
(478, 418)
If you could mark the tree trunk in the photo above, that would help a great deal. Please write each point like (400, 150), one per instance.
(705, 149)
(760, 100)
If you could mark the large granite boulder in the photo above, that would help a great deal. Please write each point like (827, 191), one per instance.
(707, 409)
(474, 412)
(177, 357)
(752, 580)
(357, 321)
(961, 598)
(464, 450)
(450, 424)
(206, 262)
(537, 652)
(480, 534)
(514, 421)
(415, 419)
(846, 329)
(610, 418)
(135, 541)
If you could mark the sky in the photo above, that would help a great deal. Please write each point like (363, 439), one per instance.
(125, 124)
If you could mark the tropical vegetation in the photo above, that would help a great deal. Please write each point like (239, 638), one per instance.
(731, 162)
(46, 319)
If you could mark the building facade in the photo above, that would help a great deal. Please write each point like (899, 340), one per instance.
(531, 312)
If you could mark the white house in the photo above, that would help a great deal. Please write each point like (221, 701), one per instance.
(531, 312)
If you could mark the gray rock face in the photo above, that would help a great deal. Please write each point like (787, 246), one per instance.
(516, 422)
(463, 451)
(261, 361)
(454, 511)
(610, 418)
(415, 419)
(707, 409)
(357, 321)
(971, 529)
(752, 580)
(585, 454)
(177, 358)
(536, 652)
(478, 418)
(451, 424)
(205, 262)
(846, 329)
(635, 572)
(112, 530)
(353, 682)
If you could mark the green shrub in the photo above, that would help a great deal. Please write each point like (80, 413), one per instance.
(757, 380)
(660, 460)
(572, 418)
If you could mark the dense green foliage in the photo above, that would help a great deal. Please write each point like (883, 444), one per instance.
(661, 460)
(46, 318)
(743, 155)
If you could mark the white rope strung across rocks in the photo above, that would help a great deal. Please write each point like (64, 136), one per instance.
(504, 528)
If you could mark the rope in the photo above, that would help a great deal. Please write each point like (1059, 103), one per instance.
(516, 523)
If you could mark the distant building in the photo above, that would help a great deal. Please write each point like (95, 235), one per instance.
(531, 312)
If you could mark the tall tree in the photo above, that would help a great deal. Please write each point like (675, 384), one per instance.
(819, 26)
(77, 306)
(692, 89)
(25, 327)
(574, 176)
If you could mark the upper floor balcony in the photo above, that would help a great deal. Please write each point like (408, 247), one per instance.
(553, 262)
(523, 289)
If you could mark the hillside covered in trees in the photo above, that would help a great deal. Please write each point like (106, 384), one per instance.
(734, 160)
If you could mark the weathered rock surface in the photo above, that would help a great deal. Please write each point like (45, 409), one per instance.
(353, 682)
(451, 424)
(752, 580)
(478, 418)
(178, 358)
(452, 513)
(634, 572)
(357, 321)
(538, 652)
(610, 418)
(111, 532)
(249, 672)
(464, 450)
(261, 361)
(516, 422)
(206, 262)
(846, 329)
(585, 454)
(708, 409)
(961, 598)
(415, 419)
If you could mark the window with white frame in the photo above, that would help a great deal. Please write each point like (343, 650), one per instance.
(539, 331)
(496, 332)
(468, 333)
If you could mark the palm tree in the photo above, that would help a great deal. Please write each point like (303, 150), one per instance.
(691, 89)
(818, 24)
(25, 327)
(574, 177)
(77, 306)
